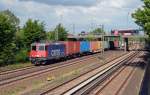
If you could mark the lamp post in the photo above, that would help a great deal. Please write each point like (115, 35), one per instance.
(102, 40)
(73, 28)
(102, 35)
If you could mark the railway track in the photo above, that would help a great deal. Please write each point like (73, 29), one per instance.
(85, 87)
(7, 78)
(16, 76)
(16, 70)
(67, 90)
(123, 74)
(96, 83)
(32, 67)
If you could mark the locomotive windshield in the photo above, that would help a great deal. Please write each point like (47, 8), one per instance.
(41, 48)
(34, 48)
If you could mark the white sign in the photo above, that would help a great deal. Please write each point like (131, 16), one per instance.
(55, 52)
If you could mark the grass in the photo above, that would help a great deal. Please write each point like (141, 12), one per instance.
(12, 92)
(14, 66)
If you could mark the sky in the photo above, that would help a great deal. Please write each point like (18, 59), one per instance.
(76, 15)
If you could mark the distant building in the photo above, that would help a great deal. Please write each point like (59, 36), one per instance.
(83, 33)
(128, 32)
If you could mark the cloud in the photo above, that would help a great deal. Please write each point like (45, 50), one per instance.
(82, 13)
(66, 2)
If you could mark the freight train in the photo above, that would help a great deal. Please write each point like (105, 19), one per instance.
(41, 53)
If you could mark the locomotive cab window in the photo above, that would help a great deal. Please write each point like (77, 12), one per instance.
(46, 47)
(34, 48)
(41, 48)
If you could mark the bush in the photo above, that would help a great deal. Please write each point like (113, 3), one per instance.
(7, 54)
(22, 56)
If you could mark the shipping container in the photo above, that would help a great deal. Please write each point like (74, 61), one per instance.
(84, 46)
(70, 47)
(56, 50)
(77, 47)
(94, 46)
(99, 45)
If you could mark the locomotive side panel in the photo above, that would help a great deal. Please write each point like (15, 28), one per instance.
(56, 50)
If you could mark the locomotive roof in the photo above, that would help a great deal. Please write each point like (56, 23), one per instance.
(51, 43)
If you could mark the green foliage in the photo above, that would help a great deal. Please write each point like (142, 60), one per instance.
(19, 39)
(8, 27)
(15, 41)
(62, 32)
(59, 32)
(22, 55)
(7, 54)
(50, 36)
(11, 17)
(137, 38)
(34, 31)
(90, 38)
(142, 16)
(98, 31)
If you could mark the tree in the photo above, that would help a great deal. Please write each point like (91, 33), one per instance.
(98, 31)
(142, 16)
(8, 27)
(34, 31)
(59, 32)
(90, 38)
(50, 36)
(19, 39)
(62, 32)
(12, 18)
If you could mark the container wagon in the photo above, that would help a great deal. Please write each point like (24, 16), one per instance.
(99, 46)
(94, 46)
(70, 45)
(84, 46)
(77, 47)
(42, 52)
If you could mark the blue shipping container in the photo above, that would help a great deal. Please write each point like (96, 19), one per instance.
(56, 50)
(84, 46)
